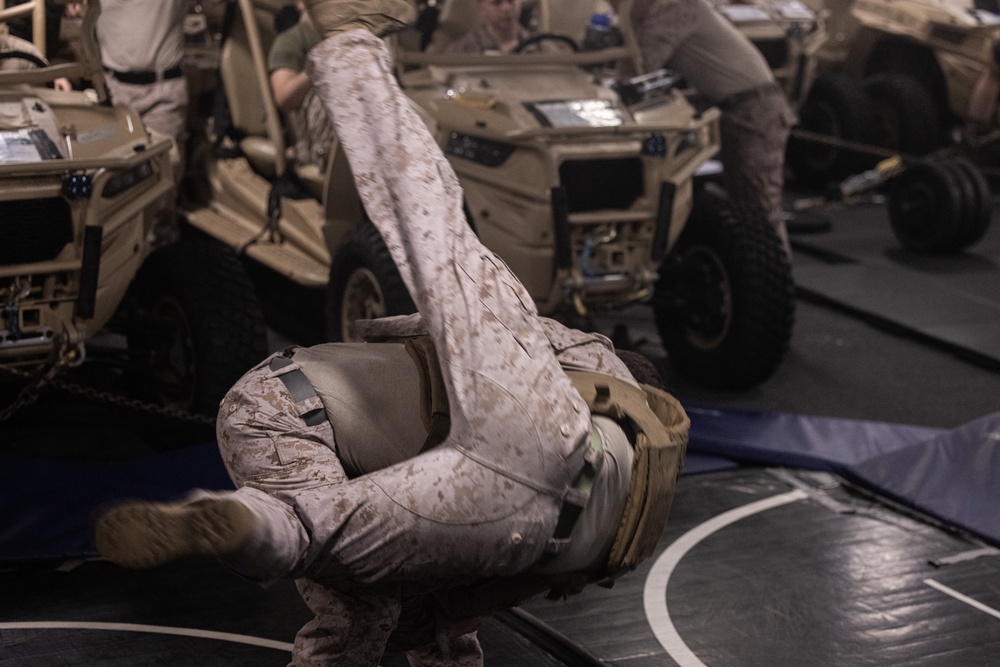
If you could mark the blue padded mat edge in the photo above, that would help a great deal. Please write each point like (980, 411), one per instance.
(953, 475)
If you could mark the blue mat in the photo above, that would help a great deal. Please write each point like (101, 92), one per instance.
(48, 505)
(952, 475)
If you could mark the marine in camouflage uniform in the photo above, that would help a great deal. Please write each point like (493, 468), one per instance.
(483, 503)
(286, 64)
(691, 38)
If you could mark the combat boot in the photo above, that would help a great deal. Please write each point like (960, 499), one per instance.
(381, 17)
(143, 535)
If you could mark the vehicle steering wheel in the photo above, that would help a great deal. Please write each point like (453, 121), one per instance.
(24, 55)
(546, 37)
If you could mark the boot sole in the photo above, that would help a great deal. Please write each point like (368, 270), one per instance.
(144, 535)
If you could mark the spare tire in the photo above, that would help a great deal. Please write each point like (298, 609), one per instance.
(927, 208)
(979, 200)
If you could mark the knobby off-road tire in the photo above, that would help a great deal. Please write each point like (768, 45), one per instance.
(906, 115)
(725, 300)
(195, 325)
(838, 107)
(364, 284)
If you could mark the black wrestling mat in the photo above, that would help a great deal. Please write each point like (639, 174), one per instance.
(772, 569)
(197, 613)
(858, 265)
(756, 568)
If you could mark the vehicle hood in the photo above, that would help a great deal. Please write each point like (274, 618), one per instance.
(39, 124)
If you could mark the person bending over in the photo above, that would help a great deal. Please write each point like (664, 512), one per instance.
(542, 464)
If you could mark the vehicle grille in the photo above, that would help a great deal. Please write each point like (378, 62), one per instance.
(592, 185)
(33, 230)
(775, 52)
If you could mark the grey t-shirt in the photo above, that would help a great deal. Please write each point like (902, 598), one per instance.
(141, 35)
(691, 37)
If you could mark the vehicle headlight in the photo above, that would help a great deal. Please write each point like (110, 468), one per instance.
(578, 113)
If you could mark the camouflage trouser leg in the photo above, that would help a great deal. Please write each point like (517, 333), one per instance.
(754, 134)
(463, 651)
(349, 628)
(272, 455)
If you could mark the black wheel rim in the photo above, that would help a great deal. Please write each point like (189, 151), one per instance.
(363, 300)
(708, 310)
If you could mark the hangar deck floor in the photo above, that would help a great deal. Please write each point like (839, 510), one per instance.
(758, 567)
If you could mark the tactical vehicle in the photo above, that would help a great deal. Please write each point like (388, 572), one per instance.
(895, 77)
(894, 73)
(584, 186)
(82, 184)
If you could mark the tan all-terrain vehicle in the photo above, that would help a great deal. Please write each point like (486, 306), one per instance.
(894, 73)
(584, 187)
(895, 78)
(82, 183)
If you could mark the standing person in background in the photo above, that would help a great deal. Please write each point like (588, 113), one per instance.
(142, 45)
(723, 65)
(293, 93)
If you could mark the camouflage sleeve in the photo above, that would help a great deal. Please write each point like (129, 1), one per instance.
(580, 350)
(391, 328)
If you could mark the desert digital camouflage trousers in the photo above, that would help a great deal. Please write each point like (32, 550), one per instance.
(754, 133)
(483, 503)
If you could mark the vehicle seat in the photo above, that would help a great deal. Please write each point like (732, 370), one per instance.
(245, 98)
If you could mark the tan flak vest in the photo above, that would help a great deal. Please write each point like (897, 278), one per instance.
(661, 427)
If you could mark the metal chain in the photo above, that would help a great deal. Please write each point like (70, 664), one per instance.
(30, 392)
(131, 403)
(47, 377)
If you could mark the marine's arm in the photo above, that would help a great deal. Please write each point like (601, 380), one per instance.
(290, 88)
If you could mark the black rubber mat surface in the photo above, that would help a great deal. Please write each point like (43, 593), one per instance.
(858, 265)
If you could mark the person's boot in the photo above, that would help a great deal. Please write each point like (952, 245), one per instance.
(381, 17)
(142, 534)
